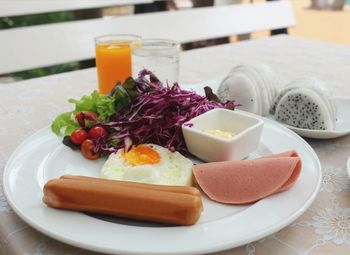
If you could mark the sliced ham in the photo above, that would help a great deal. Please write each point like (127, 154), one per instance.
(289, 183)
(247, 181)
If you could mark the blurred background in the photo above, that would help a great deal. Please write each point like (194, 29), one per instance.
(325, 20)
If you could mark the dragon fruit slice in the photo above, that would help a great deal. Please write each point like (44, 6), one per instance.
(244, 89)
(253, 86)
(306, 103)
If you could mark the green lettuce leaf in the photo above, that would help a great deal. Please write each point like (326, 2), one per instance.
(64, 124)
(86, 103)
(104, 106)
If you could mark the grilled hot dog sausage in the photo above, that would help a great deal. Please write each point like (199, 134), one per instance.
(158, 203)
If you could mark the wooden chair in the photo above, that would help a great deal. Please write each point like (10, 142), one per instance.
(52, 44)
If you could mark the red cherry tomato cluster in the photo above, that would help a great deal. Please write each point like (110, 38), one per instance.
(87, 134)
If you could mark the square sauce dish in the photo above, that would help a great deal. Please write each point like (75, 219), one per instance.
(221, 135)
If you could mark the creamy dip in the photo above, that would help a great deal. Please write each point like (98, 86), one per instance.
(220, 133)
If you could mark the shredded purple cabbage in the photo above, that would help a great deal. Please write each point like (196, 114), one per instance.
(156, 114)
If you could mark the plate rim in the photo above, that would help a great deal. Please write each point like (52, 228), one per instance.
(214, 248)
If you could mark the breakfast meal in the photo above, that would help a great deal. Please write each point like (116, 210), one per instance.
(147, 176)
(253, 86)
(149, 163)
(147, 202)
(247, 181)
(306, 103)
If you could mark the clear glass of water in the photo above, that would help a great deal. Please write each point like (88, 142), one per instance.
(161, 56)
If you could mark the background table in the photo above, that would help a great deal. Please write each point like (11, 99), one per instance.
(324, 229)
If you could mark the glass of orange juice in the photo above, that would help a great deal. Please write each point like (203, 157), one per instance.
(113, 59)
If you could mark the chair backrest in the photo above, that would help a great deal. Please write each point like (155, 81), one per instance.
(29, 7)
(45, 45)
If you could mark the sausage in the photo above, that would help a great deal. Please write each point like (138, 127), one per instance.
(179, 189)
(148, 202)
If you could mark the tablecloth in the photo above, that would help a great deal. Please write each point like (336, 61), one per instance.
(324, 228)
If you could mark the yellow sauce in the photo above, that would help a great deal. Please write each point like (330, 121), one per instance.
(220, 133)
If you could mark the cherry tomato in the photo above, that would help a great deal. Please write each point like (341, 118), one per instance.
(84, 117)
(97, 132)
(78, 136)
(87, 149)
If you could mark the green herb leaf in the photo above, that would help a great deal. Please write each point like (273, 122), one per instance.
(122, 98)
(130, 87)
(210, 94)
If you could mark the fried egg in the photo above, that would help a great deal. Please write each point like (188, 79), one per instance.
(149, 163)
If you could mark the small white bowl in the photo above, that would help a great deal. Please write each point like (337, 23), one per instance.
(211, 148)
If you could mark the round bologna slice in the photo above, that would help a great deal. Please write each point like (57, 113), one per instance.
(292, 179)
(246, 181)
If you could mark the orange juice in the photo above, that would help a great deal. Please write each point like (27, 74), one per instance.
(113, 60)
(113, 64)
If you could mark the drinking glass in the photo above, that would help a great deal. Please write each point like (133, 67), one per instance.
(161, 56)
(113, 59)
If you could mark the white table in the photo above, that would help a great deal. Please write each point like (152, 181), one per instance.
(325, 227)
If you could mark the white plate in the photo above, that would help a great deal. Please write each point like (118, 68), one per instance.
(42, 157)
(342, 126)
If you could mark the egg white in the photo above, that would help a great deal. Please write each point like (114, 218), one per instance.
(172, 169)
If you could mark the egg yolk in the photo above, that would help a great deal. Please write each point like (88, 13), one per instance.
(141, 155)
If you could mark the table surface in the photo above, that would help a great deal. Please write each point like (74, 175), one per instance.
(324, 228)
